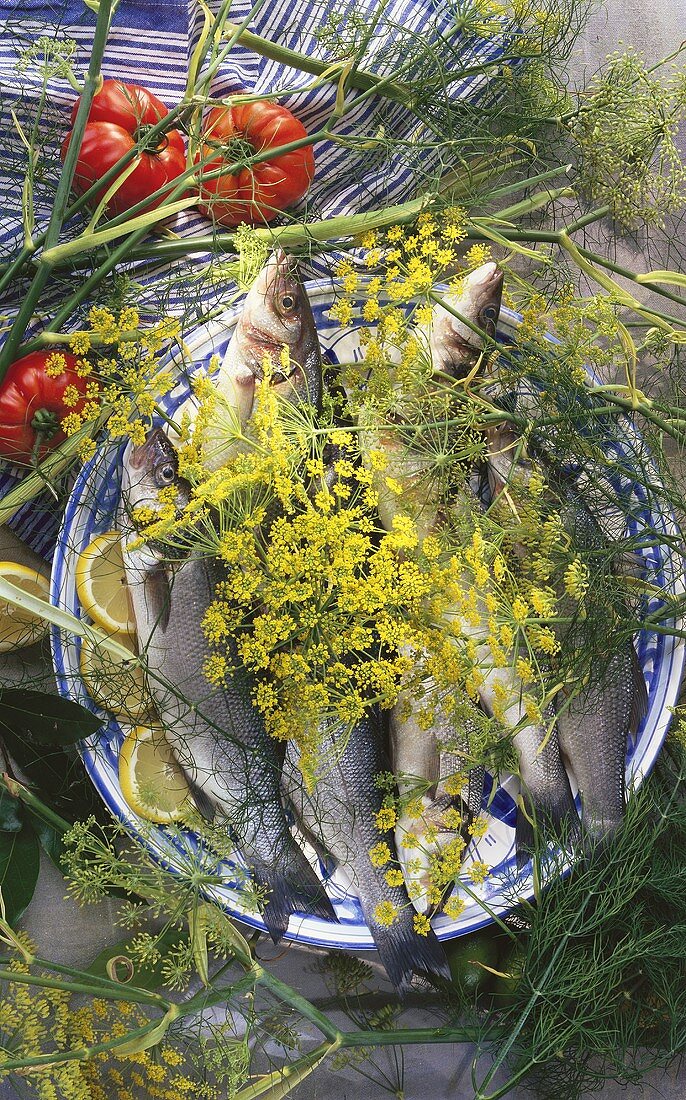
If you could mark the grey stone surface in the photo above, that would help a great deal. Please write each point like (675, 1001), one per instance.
(71, 935)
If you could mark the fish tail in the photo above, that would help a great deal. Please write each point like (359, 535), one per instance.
(598, 829)
(290, 887)
(556, 813)
(404, 952)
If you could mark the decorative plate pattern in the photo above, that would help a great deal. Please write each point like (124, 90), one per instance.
(91, 509)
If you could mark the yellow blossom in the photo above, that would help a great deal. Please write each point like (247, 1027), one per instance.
(386, 819)
(478, 872)
(454, 907)
(422, 924)
(385, 914)
(55, 365)
(394, 877)
(380, 854)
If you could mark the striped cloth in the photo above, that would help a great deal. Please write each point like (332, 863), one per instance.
(151, 43)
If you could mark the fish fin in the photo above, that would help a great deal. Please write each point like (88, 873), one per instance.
(404, 952)
(475, 789)
(157, 591)
(558, 815)
(524, 834)
(639, 700)
(596, 835)
(292, 887)
(203, 802)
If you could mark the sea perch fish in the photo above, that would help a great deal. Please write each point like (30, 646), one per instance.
(276, 323)
(546, 796)
(594, 717)
(219, 738)
(340, 814)
(423, 759)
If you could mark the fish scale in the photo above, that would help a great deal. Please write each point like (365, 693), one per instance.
(593, 725)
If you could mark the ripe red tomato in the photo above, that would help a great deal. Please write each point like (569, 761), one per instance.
(32, 405)
(257, 193)
(119, 116)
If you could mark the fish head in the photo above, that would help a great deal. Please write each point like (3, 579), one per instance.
(277, 315)
(455, 345)
(147, 469)
(482, 294)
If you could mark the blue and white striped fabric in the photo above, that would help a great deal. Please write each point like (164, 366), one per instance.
(151, 43)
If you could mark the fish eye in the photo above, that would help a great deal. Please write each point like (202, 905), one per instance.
(166, 473)
(287, 302)
(490, 313)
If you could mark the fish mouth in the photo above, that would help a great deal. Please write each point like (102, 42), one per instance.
(487, 277)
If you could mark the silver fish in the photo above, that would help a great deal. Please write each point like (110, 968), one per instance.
(340, 814)
(276, 319)
(455, 345)
(593, 722)
(546, 796)
(592, 729)
(233, 765)
(593, 719)
(421, 757)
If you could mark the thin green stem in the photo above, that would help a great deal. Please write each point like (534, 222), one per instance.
(291, 997)
(529, 205)
(25, 795)
(25, 313)
(84, 1054)
(588, 219)
(145, 996)
(122, 993)
(412, 1036)
(220, 25)
(663, 320)
(625, 273)
(530, 181)
(295, 60)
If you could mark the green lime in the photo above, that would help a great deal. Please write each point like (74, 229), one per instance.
(467, 958)
(511, 966)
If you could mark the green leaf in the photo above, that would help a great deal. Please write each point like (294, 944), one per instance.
(50, 839)
(58, 776)
(19, 863)
(11, 813)
(48, 719)
(110, 962)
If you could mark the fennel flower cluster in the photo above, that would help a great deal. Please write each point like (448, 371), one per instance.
(42, 1029)
(121, 361)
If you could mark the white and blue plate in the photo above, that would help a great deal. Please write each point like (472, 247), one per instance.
(92, 509)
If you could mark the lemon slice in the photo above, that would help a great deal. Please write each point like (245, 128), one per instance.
(150, 777)
(101, 584)
(18, 626)
(117, 684)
